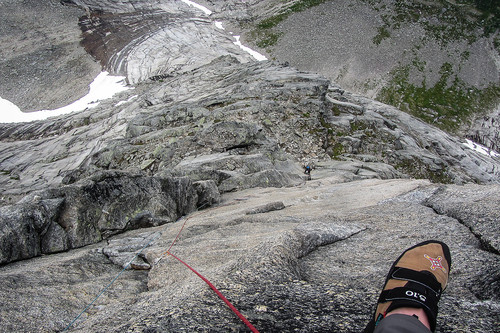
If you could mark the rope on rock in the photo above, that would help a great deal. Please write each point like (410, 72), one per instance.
(125, 268)
(221, 296)
(182, 228)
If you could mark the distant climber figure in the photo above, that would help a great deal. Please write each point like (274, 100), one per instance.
(307, 171)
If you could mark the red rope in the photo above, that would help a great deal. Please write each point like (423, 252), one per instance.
(178, 234)
(231, 306)
(184, 224)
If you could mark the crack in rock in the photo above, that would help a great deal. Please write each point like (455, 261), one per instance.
(473, 206)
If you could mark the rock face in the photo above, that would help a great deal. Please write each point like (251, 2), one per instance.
(371, 47)
(430, 154)
(485, 130)
(316, 265)
(108, 203)
(154, 41)
(241, 125)
(457, 202)
(105, 195)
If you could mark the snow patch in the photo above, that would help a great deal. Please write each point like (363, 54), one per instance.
(480, 149)
(254, 54)
(219, 25)
(103, 87)
(200, 7)
(128, 100)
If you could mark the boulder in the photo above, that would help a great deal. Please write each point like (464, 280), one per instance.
(272, 206)
(207, 192)
(84, 213)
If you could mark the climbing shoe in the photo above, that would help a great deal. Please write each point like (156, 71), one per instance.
(416, 280)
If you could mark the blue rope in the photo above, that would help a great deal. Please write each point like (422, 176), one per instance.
(109, 285)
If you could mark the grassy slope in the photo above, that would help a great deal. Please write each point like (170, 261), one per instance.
(448, 103)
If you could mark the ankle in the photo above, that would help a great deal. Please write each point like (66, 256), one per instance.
(416, 312)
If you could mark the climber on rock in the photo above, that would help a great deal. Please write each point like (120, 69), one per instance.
(307, 171)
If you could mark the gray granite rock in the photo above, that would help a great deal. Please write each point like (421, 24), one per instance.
(108, 203)
(229, 136)
(316, 265)
(262, 117)
(475, 207)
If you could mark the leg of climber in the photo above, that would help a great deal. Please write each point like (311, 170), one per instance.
(401, 323)
(413, 287)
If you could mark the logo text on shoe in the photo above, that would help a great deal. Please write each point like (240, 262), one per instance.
(435, 263)
(416, 295)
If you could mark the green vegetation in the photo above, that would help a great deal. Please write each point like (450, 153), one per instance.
(447, 104)
(268, 39)
(337, 150)
(299, 6)
(382, 34)
(336, 110)
(456, 21)
(490, 16)
(418, 170)
(357, 125)
(264, 33)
